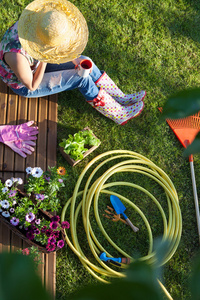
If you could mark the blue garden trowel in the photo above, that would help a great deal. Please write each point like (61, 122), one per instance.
(120, 208)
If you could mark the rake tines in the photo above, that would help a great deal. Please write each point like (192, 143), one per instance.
(185, 129)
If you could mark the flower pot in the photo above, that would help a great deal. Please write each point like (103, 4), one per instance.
(22, 232)
(73, 162)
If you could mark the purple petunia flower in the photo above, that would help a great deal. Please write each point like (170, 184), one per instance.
(30, 217)
(14, 221)
(37, 221)
(53, 225)
(60, 243)
(33, 227)
(12, 193)
(43, 229)
(60, 180)
(37, 231)
(48, 232)
(39, 196)
(65, 225)
(55, 219)
(51, 240)
(30, 235)
(50, 247)
(56, 233)
(47, 178)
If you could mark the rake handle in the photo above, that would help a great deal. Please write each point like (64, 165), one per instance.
(196, 202)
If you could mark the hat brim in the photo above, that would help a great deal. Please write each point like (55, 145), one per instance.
(70, 48)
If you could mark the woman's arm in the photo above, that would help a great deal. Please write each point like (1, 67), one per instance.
(20, 66)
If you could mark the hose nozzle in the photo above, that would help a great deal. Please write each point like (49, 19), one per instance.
(117, 261)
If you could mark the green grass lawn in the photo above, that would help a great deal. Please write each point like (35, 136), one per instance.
(149, 45)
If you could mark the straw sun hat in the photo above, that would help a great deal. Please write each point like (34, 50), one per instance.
(52, 31)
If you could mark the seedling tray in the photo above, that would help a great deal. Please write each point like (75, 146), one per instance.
(73, 162)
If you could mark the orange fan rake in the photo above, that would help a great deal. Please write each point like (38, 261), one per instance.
(186, 129)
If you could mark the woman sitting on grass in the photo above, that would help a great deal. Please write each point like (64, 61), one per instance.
(38, 55)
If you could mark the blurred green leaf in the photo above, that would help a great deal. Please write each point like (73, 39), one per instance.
(18, 279)
(182, 104)
(140, 283)
(195, 279)
(194, 147)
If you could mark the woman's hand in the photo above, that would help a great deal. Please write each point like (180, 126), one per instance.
(20, 66)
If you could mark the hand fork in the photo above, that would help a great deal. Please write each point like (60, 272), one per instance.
(113, 216)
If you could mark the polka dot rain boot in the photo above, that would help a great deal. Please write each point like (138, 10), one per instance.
(113, 110)
(110, 87)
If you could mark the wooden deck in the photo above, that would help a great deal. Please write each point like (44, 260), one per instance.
(16, 110)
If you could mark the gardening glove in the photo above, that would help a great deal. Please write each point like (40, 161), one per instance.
(18, 133)
(26, 148)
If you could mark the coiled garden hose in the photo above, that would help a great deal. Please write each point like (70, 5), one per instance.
(129, 162)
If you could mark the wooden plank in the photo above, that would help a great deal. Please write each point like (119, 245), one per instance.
(21, 118)
(51, 273)
(32, 116)
(52, 131)
(42, 137)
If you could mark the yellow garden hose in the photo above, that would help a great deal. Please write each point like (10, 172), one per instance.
(129, 162)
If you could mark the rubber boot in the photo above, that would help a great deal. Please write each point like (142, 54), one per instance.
(111, 109)
(110, 87)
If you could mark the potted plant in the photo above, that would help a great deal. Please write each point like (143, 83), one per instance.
(78, 146)
(28, 213)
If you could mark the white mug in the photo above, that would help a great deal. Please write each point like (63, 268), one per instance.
(84, 68)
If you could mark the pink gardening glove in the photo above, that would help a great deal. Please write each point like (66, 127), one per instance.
(25, 148)
(18, 133)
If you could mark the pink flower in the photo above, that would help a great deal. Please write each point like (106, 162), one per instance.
(53, 225)
(25, 251)
(12, 193)
(50, 247)
(65, 225)
(49, 232)
(51, 240)
(60, 244)
(55, 233)
(43, 229)
(55, 219)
